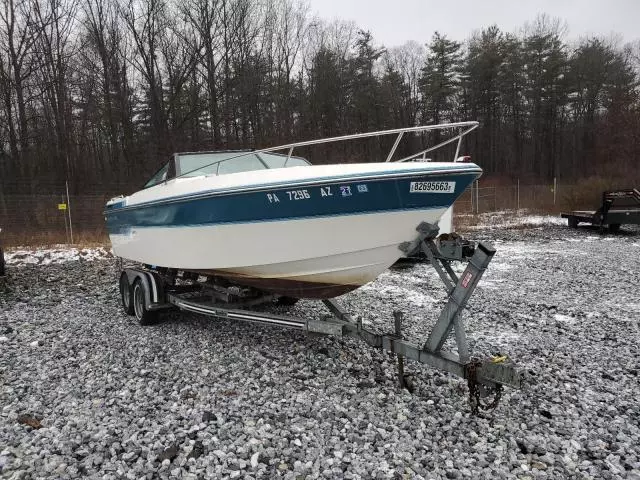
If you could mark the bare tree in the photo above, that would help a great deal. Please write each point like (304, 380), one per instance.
(56, 46)
(205, 17)
(408, 59)
(19, 35)
(290, 33)
(146, 21)
(178, 47)
(105, 55)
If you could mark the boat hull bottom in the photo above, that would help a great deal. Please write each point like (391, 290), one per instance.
(285, 287)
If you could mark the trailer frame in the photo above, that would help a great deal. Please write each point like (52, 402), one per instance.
(145, 291)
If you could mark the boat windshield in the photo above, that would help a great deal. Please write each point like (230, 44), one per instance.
(221, 163)
(159, 177)
(278, 160)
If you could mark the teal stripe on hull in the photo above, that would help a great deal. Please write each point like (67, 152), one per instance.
(331, 199)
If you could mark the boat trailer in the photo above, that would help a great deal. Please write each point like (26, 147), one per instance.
(145, 291)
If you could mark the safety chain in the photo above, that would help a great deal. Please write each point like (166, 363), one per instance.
(474, 389)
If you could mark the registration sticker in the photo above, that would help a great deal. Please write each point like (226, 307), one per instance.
(432, 187)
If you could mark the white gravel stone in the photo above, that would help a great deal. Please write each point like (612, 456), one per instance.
(262, 402)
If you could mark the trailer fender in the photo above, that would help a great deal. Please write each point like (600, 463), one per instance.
(154, 295)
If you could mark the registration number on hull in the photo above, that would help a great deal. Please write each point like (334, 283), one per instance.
(432, 187)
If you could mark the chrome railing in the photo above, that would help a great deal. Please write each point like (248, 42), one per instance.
(462, 128)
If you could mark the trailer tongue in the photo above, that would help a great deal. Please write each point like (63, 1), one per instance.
(147, 291)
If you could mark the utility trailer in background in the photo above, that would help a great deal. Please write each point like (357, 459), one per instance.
(619, 207)
(146, 291)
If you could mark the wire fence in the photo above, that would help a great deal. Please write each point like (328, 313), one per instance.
(40, 219)
(52, 218)
(479, 199)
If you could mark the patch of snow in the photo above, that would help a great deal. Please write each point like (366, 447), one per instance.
(501, 267)
(564, 318)
(510, 251)
(632, 307)
(541, 220)
(47, 256)
(514, 220)
(407, 294)
(502, 337)
(491, 283)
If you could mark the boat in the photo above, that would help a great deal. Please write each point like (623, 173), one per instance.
(274, 222)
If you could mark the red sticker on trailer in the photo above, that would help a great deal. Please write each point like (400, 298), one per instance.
(467, 278)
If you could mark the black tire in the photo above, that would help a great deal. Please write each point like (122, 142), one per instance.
(126, 294)
(144, 316)
(614, 227)
(573, 222)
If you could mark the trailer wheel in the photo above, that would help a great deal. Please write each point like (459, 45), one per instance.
(144, 316)
(573, 222)
(126, 292)
(614, 227)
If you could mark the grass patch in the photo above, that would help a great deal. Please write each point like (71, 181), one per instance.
(48, 239)
(587, 193)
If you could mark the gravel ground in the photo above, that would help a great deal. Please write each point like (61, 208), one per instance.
(198, 398)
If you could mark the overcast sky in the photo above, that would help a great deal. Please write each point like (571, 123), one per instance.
(393, 22)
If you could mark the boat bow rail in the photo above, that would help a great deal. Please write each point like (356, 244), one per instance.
(462, 129)
(484, 377)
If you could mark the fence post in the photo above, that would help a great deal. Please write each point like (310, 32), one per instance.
(69, 210)
(518, 195)
(64, 217)
(555, 189)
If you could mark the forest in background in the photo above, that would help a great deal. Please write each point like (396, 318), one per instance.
(101, 92)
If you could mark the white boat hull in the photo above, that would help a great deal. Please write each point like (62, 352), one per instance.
(306, 232)
(309, 257)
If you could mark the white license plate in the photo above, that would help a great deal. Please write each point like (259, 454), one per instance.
(432, 187)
